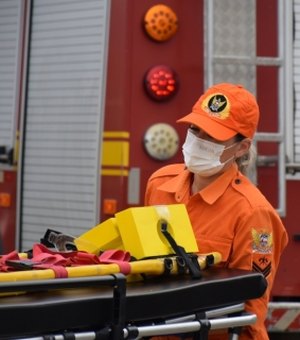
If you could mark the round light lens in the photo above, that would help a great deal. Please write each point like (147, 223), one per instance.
(161, 83)
(160, 22)
(161, 141)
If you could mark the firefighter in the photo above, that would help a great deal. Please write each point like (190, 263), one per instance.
(227, 211)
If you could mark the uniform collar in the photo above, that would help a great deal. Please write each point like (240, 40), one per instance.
(217, 188)
(181, 183)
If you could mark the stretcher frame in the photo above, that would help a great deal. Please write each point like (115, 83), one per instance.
(226, 312)
(201, 327)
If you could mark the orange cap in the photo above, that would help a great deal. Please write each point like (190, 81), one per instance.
(225, 110)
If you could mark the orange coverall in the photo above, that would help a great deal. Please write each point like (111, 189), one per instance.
(230, 216)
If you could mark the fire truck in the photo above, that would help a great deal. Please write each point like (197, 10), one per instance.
(90, 92)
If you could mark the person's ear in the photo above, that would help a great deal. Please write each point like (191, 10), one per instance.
(243, 147)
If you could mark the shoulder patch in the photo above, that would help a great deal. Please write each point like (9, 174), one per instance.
(262, 241)
(262, 244)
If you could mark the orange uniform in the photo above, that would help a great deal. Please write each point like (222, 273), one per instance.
(231, 216)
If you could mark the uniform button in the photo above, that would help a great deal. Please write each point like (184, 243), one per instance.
(178, 198)
(237, 181)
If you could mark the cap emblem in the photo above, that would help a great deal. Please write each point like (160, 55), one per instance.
(216, 105)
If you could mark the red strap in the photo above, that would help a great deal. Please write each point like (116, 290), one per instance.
(120, 257)
(82, 258)
(10, 256)
(39, 248)
(59, 271)
(56, 262)
(44, 258)
(79, 258)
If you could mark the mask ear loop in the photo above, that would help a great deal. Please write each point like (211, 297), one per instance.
(230, 146)
(233, 157)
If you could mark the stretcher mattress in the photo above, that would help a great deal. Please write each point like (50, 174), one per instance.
(46, 307)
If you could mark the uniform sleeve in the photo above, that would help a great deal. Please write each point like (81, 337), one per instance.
(147, 193)
(156, 179)
(260, 239)
(151, 195)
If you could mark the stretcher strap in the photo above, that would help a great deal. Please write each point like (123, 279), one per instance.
(12, 256)
(79, 258)
(45, 258)
(193, 266)
(119, 257)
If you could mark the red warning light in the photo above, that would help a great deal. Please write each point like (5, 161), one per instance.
(161, 82)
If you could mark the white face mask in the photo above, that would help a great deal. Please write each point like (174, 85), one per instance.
(203, 157)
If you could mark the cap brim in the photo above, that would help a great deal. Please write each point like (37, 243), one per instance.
(209, 125)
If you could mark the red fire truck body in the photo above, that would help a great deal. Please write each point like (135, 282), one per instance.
(74, 87)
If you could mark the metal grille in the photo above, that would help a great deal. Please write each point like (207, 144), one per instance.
(232, 42)
(9, 40)
(63, 127)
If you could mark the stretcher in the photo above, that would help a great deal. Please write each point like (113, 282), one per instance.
(137, 289)
(109, 307)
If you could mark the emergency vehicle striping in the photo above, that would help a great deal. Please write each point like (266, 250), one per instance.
(115, 153)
